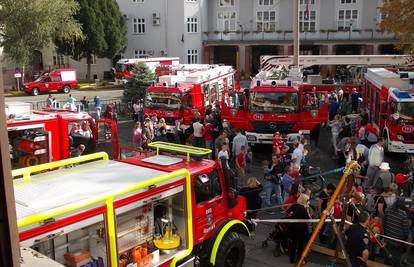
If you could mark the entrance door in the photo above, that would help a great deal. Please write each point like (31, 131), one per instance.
(106, 137)
(234, 109)
(211, 206)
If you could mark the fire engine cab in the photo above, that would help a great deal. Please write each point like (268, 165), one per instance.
(124, 67)
(272, 105)
(390, 105)
(40, 136)
(189, 90)
(148, 210)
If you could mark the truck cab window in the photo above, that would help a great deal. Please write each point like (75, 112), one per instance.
(207, 186)
(55, 79)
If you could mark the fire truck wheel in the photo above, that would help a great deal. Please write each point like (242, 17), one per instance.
(66, 89)
(231, 251)
(35, 91)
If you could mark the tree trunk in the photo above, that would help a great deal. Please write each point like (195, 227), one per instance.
(89, 63)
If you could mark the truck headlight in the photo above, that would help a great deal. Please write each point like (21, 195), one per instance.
(400, 137)
(251, 138)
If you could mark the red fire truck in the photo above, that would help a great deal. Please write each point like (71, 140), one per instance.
(147, 210)
(187, 91)
(390, 105)
(272, 105)
(125, 66)
(42, 136)
(62, 80)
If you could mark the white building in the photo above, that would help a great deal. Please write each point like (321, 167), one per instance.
(237, 32)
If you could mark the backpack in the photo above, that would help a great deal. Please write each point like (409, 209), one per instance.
(370, 136)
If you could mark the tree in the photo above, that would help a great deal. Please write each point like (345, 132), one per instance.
(104, 27)
(141, 78)
(28, 25)
(398, 15)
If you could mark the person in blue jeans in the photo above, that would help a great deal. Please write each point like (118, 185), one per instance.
(272, 184)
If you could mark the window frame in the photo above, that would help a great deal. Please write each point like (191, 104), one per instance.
(192, 56)
(343, 21)
(192, 24)
(311, 20)
(348, 2)
(221, 3)
(221, 21)
(261, 3)
(139, 26)
(267, 21)
(214, 180)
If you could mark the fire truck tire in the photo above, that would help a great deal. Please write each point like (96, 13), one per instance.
(66, 89)
(29, 161)
(231, 251)
(35, 91)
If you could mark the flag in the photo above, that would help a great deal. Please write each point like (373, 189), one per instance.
(307, 10)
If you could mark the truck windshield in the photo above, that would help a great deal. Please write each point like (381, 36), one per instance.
(406, 109)
(120, 67)
(163, 100)
(273, 102)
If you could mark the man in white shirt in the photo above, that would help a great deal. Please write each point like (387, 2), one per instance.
(198, 133)
(238, 141)
(224, 154)
(297, 154)
(375, 158)
(137, 111)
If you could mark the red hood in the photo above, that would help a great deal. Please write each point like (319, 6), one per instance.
(30, 83)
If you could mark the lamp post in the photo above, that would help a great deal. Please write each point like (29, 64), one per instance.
(241, 31)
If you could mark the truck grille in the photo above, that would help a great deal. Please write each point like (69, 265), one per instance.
(408, 138)
(272, 126)
(170, 120)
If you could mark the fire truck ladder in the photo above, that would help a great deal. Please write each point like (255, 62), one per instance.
(188, 150)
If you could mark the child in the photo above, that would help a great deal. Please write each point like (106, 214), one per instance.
(376, 227)
(241, 165)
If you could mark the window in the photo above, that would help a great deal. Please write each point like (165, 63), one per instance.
(138, 1)
(307, 24)
(226, 21)
(192, 25)
(139, 25)
(59, 60)
(348, 2)
(226, 3)
(94, 58)
(266, 21)
(139, 53)
(347, 18)
(207, 186)
(55, 79)
(191, 1)
(266, 2)
(192, 56)
(304, 2)
(272, 102)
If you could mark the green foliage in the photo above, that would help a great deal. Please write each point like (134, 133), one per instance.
(135, 87)
(104, 27)
(28, 25)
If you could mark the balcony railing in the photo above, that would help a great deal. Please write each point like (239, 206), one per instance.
(321, 35)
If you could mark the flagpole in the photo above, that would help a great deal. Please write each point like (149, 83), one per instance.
(296, 34)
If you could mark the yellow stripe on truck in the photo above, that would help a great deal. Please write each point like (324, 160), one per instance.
(220, 236)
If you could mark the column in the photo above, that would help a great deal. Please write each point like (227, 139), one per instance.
(247, 61)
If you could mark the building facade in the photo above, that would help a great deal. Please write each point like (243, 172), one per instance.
(238, 32)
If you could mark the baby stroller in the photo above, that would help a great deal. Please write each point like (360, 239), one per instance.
(279, 235)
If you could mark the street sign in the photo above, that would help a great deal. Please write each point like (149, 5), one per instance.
(17, 75)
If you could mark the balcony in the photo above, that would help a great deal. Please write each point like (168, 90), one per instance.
(321, 35)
